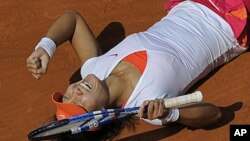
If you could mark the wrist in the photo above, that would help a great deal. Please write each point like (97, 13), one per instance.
(48, 45)
(172, 116)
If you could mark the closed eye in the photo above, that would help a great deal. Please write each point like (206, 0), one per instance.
(65, 99)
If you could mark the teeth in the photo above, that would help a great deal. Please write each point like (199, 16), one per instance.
(86, 86)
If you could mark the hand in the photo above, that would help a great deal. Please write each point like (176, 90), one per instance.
(37, 62)
(154, 109)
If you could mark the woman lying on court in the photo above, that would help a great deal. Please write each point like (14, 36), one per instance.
(164, 61)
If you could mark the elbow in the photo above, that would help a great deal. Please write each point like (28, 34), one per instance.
(212, 116)
(218, 115)
(72, 13)
(208, 116)
(215, 116)
(201, 116)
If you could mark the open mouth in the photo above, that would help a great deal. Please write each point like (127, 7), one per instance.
(86, 86)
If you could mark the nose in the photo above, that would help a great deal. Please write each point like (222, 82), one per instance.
(77, 91)
(72, 95)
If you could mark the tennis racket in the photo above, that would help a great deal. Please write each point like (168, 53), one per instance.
(90, 120)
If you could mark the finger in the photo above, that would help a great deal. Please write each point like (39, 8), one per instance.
(43, 70)
(40, 71)
(44, 63)
(142, 108)
(161, 109)
(32, 60)
(37, 76)
(150, 109)
(34, 66)
(156, 108)
(35, 71)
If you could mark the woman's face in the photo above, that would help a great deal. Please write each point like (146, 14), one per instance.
(90, 93)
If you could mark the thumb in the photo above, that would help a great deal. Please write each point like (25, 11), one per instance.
(44, 63)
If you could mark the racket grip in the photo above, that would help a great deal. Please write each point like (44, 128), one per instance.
(184, 99)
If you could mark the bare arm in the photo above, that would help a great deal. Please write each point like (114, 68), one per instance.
(194, 115)
(199, 115)
(69, 27)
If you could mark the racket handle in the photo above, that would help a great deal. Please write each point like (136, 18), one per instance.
(184, 99)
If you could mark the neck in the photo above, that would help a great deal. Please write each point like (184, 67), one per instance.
(121, 83)
(115, 91)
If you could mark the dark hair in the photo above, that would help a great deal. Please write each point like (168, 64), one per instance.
(106, 132)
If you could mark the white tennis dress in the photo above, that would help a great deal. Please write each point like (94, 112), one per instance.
(181, 48)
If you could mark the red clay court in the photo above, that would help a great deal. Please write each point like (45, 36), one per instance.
(25, 102)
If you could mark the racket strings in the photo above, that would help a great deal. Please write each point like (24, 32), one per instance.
(60, 129)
